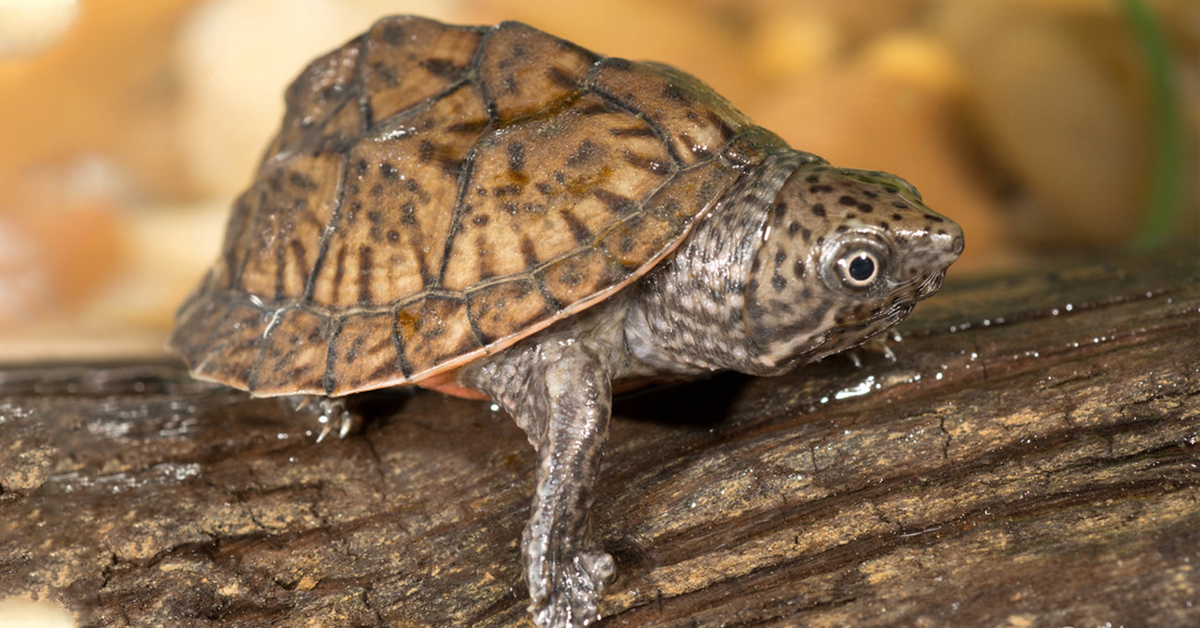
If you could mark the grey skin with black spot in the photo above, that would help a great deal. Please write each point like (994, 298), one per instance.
(494, 212)
(798, 260)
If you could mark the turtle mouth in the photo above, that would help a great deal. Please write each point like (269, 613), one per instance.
(930, 284)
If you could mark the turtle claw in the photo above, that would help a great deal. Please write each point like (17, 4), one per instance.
(330, 413)
(565, 592)
(878, 346)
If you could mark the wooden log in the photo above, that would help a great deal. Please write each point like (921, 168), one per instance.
(1029, 458)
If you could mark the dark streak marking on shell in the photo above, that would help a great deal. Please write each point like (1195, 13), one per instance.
(364, 274)
(452, 167)
(636, 131)
(578, 229)
(595, 108)
(327, 380)
(425, 150)
(646, 163)
(554, 304)
(444, 68)
(561, 78)
(697, 149)
(529, 251)
(394, 35)
(727, 132)
(339, 271)
(516, 156)
(472, 128)
(485, 270)
(398, 341)
(299, 252)
(818, 210)
(585, 151)
(616, 203)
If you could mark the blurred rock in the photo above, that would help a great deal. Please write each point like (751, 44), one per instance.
(54, 260)
(1061, 98)
(30, 26)
(101, 90)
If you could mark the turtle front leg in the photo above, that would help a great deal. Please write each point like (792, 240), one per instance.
(561, 395)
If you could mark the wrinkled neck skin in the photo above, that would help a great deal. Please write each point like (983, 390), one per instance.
(686, 317)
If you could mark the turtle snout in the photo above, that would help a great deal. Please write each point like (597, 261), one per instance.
(946, 244)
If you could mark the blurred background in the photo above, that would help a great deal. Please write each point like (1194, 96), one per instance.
(1044, 127)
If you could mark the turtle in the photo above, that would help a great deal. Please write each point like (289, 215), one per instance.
(497, 213)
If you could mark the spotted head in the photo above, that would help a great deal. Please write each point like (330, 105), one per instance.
(844, 256)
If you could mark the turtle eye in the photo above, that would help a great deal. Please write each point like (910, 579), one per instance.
(858, 269)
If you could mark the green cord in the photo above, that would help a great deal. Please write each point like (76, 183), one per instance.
(1167, 186)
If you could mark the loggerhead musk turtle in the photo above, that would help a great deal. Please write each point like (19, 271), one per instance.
(496, 212)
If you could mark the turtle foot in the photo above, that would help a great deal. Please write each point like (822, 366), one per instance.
(565, 591)
(330, 413)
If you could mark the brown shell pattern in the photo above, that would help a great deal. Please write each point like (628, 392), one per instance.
(437, 193)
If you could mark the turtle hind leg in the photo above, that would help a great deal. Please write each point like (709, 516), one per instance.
(560, 394)
(330, 414)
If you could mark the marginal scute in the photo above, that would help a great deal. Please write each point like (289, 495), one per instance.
(363, 353)
(409, 59)
(230, 350)
(582, 275)
(524, 70)
(202, 315)
(501, 309)
(433, 331)
(696, 121)
(296, 203)
(293, 353)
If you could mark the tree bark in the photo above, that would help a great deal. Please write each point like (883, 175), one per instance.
(1029, 458)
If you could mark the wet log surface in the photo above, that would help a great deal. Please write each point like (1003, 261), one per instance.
(1030, 458)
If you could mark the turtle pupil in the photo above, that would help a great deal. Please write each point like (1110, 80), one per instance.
(861, 268)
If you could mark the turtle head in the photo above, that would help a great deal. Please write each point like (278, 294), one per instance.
(844, 256)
